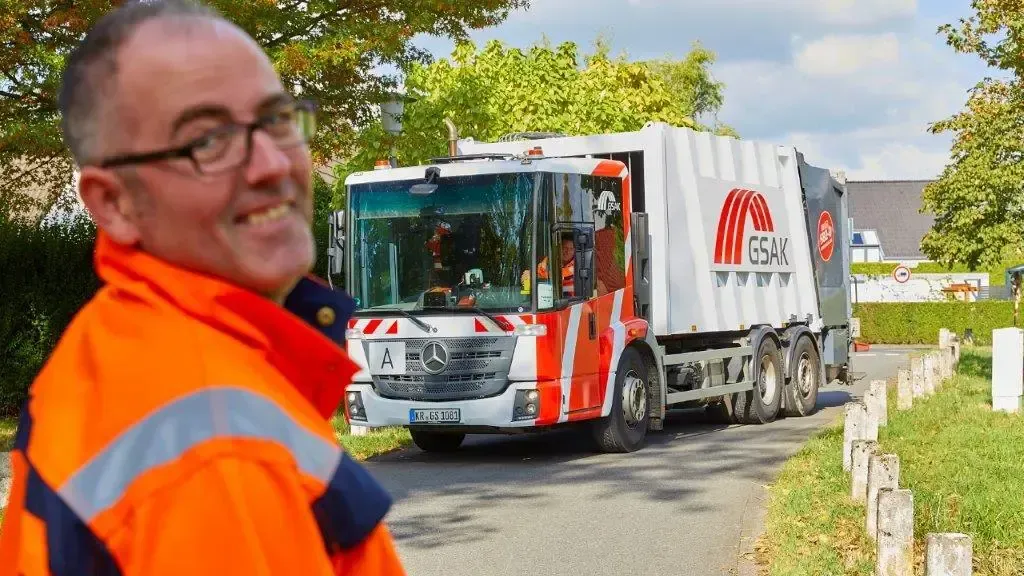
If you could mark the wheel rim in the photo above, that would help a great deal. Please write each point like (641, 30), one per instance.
(805, 375)
(634, 399)
(768, 383)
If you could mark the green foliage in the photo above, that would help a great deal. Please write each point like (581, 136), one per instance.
(977, 201)
(499, 90)
(920, 322)
(996, 271)
(332, 50)
(47, 277)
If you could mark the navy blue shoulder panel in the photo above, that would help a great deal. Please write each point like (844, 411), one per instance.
(351, 506)
(72, 546)
(321, 307)
(24, 427)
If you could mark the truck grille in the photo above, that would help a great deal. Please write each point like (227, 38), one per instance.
(476, 368)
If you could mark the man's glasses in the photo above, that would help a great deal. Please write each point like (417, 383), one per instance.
(229, 146)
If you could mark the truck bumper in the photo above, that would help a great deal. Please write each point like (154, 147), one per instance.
(481, 414)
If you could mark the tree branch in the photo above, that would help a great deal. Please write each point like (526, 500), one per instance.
(285, 37)
(27, 171)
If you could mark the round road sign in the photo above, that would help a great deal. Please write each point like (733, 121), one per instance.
(901, 274)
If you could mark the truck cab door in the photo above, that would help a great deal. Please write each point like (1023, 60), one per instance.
(582, 343)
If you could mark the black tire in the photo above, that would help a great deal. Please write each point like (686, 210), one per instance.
(761, 404)
(803, 380)
(437, 441)
(617, 432)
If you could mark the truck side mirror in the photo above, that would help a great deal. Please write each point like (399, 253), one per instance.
(336, 242)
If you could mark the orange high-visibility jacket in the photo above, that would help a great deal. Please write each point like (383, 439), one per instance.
(181, 426)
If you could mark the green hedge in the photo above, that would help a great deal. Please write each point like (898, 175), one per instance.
(996, 273)
(919, 322)
(47, 275)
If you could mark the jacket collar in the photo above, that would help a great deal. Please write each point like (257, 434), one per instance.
(304, 339)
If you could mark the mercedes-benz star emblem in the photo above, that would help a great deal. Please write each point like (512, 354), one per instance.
(434, 357)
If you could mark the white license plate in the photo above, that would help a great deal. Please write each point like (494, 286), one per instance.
(435, 416)
(387, 357)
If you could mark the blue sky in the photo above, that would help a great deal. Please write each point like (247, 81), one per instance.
(852, 83)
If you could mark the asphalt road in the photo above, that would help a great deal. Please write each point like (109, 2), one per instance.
(691, 502)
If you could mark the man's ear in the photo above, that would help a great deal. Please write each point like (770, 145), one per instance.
(110, 202)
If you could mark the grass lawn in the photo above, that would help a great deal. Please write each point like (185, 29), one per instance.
(377, 442)
(8, 428)
(963, 462)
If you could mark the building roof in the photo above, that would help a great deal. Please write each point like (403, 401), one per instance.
(892, 209)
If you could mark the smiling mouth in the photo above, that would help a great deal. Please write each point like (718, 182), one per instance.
(268, 215)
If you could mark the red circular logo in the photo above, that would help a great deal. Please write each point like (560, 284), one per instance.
(826, 236)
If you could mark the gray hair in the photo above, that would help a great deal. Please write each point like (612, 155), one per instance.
(91, 71)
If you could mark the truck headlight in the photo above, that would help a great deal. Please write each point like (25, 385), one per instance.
(354, 406)
(531, 330)
(527, 405)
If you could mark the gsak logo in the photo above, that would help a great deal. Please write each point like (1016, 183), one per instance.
(765, 247)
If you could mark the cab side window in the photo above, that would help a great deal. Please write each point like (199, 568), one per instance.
(609, 233)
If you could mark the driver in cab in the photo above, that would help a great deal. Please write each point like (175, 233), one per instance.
(568, 270)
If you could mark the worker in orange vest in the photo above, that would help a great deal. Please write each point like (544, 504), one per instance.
(181, 425)
(568, 270)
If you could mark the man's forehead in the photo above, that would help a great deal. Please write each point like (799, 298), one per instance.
(172, 63)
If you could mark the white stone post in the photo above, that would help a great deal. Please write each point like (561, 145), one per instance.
(929, 374)
(883, 472)
(358, 430)
(917, 371)
(862, 452)
(1007, 369)
(6, 478)
(853, 427)
(871, 407)
(904, 390)
(881, 401)
(948, 554)
(944, 337)
(895, 555)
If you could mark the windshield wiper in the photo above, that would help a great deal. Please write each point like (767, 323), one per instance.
(481, 312)
(423, 325)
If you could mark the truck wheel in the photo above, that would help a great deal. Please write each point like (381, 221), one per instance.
(437, 441)
(761, 404)
(804, 379)
(625, 429)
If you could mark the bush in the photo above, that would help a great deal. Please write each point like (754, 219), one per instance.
(919, 322)
(47, 276)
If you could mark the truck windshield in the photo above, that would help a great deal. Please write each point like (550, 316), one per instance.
(465, 245)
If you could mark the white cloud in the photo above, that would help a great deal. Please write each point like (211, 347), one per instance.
(845, 55)
(862, 12)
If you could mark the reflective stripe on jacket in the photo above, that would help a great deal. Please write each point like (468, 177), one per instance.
(181, 426)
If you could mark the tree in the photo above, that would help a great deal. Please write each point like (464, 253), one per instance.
(328, 50)
(978, 200)
(499, 90)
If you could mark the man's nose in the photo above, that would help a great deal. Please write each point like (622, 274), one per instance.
(267, 162)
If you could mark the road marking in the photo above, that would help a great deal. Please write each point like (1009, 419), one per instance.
(866, 354)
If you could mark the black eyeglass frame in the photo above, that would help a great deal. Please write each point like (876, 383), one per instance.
(186, 151)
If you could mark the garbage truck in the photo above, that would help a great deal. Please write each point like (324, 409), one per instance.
(598, 281)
